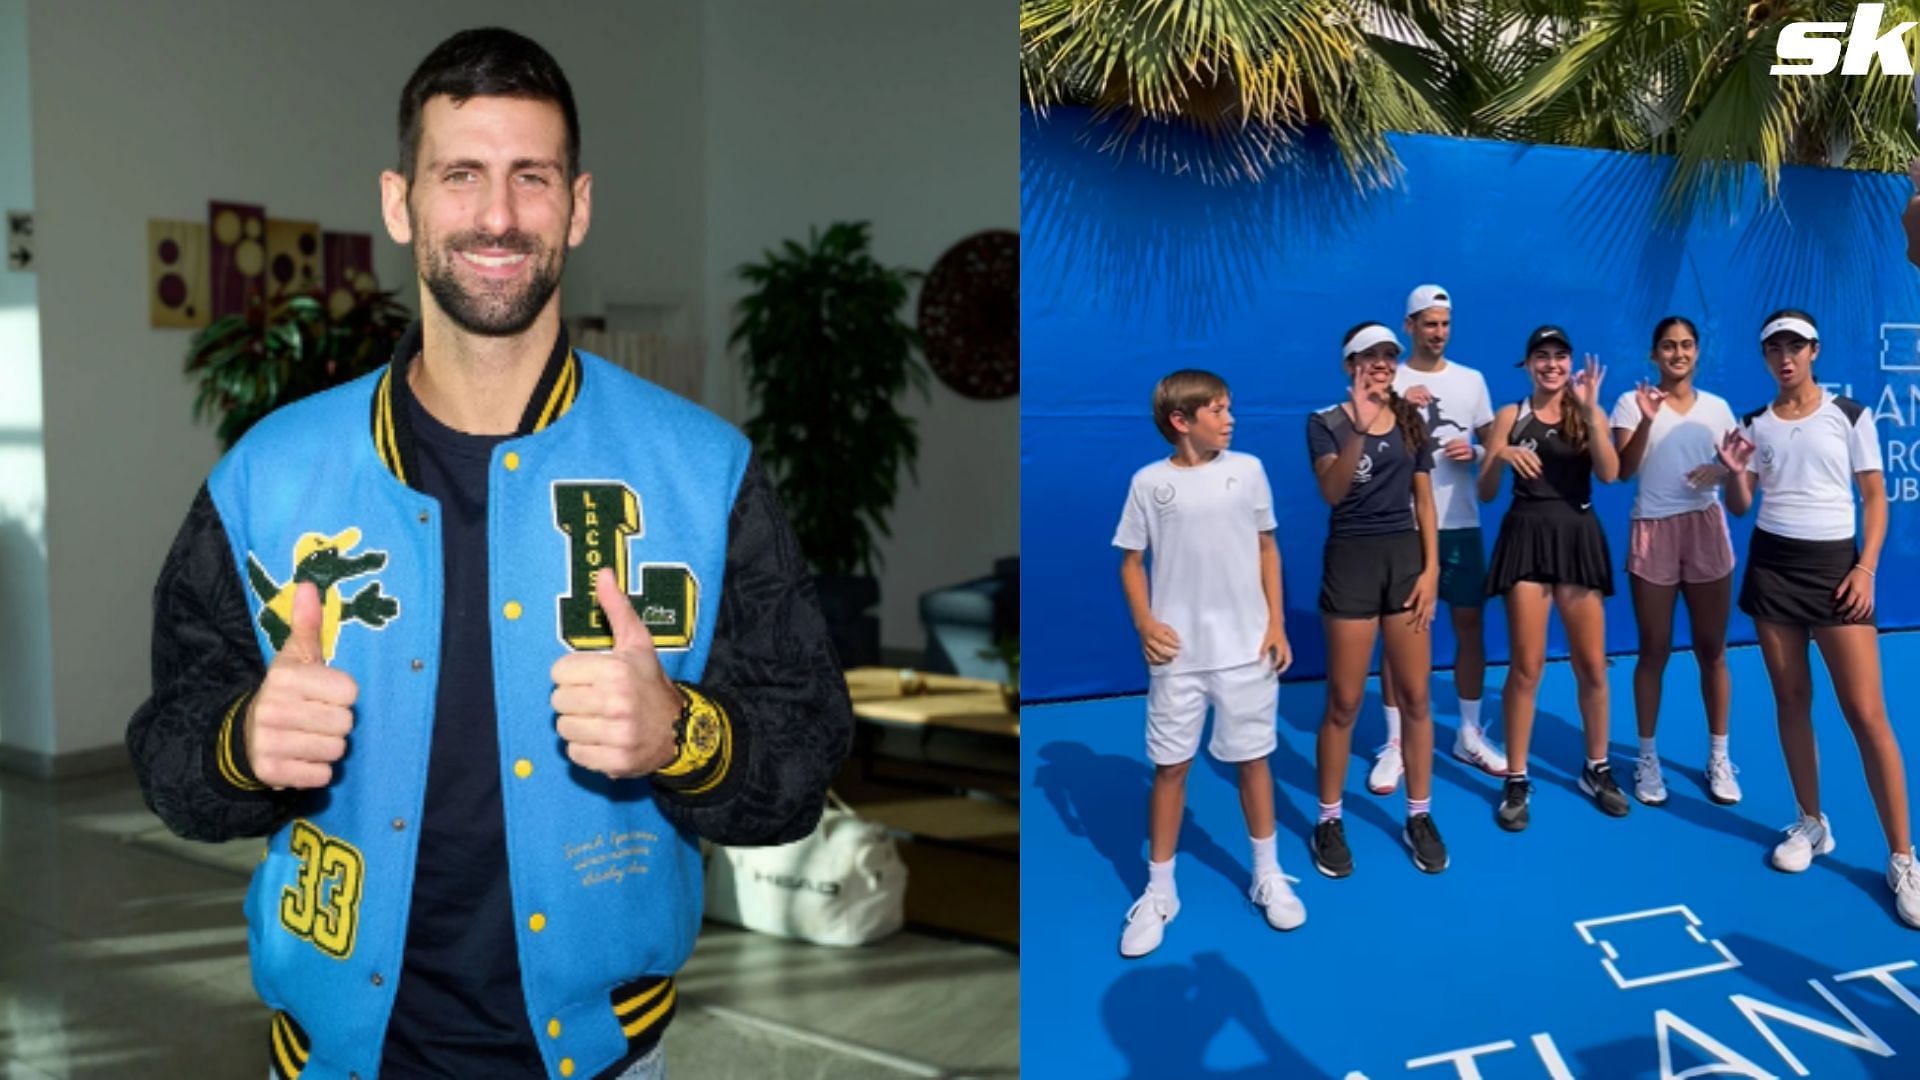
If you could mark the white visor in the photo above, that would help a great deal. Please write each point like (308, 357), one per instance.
(1371, 336)
(1789, 325)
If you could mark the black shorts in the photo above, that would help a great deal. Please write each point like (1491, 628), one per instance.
(1795, 581)
(1365, 577)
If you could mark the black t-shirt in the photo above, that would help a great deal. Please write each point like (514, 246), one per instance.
(1381, 498)
(459, 1010)
(1566, 473)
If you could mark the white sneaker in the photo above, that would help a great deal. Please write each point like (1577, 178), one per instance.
(1275, 897)
(1387, 767)
(1146, 923)
(1904, 877)
(1648, 785)
(1721, 786)
(1473, 748)
(1805, 839)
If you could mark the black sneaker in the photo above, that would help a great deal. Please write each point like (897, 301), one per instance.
(1606, 794)
(1329, 846)
(1512, 814)
(1423, 839)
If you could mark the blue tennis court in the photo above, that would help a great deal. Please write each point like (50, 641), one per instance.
(1661, 945)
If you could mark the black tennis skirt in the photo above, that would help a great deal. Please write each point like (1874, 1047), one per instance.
(1552, 543)
(1795, 581)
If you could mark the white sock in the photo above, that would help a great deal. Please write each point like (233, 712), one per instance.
(1393, 724)
(1160, 877)
(1470, 716)
(1719, 744)
(1595, 763)
(1266, 856)
(1646, 748)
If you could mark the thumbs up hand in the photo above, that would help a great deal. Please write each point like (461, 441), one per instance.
(617, 709)
(297, 724)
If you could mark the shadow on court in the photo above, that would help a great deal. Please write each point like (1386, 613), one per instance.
(1163, 1018)
(1102, 798)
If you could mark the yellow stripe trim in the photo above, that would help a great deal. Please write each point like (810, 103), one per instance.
(284, 1048)
(557, 395)
(573, 387)
(380, 423)
(301, 1052)
(639, 1001)
(229, 770)
(393, 441)
(652, 1015)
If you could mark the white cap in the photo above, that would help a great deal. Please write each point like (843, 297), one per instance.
(1427, 296)
(1789, 325)
(1368, 336)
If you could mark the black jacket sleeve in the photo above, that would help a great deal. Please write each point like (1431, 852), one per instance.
(773, 677)
(186, 740)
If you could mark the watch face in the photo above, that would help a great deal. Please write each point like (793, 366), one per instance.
(703, 730)
(704, 734)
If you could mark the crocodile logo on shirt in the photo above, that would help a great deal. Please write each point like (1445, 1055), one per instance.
(323, 560)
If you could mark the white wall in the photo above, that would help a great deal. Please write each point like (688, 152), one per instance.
(713, 131)
(26, 695)
(146, 110)
(902, 113)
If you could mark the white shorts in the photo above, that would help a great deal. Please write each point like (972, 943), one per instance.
(1244, 701)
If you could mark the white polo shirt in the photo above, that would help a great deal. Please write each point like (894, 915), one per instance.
(1202, 527)
(1677, 443)
(1806, 467)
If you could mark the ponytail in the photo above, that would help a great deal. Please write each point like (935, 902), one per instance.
(1412, 428)
(1573, 417)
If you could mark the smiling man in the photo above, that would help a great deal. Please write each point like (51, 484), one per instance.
(483, 643)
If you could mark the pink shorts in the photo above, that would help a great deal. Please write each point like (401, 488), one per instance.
(1690, 549)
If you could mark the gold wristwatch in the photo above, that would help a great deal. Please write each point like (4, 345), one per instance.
(696, 734)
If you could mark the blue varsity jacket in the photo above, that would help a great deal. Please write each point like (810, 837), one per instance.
(605, 875)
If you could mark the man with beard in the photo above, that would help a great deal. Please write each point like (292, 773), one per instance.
(482, 643)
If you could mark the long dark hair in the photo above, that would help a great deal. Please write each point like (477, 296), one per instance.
(1412, 429)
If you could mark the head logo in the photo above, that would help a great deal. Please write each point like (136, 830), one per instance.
(323, 560)
(1813, 48)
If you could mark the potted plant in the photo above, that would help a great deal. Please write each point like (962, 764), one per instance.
(282, 350)
(827, 356)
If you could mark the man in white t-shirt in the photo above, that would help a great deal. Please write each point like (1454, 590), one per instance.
(1458, 413)
(1212, 633)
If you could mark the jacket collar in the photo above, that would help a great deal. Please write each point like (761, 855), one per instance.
(553, 395)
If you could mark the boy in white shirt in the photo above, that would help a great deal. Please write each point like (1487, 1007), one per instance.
(1212, 633)
(1453, 401)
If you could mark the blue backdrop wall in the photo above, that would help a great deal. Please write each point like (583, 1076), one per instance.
(1130, 271)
